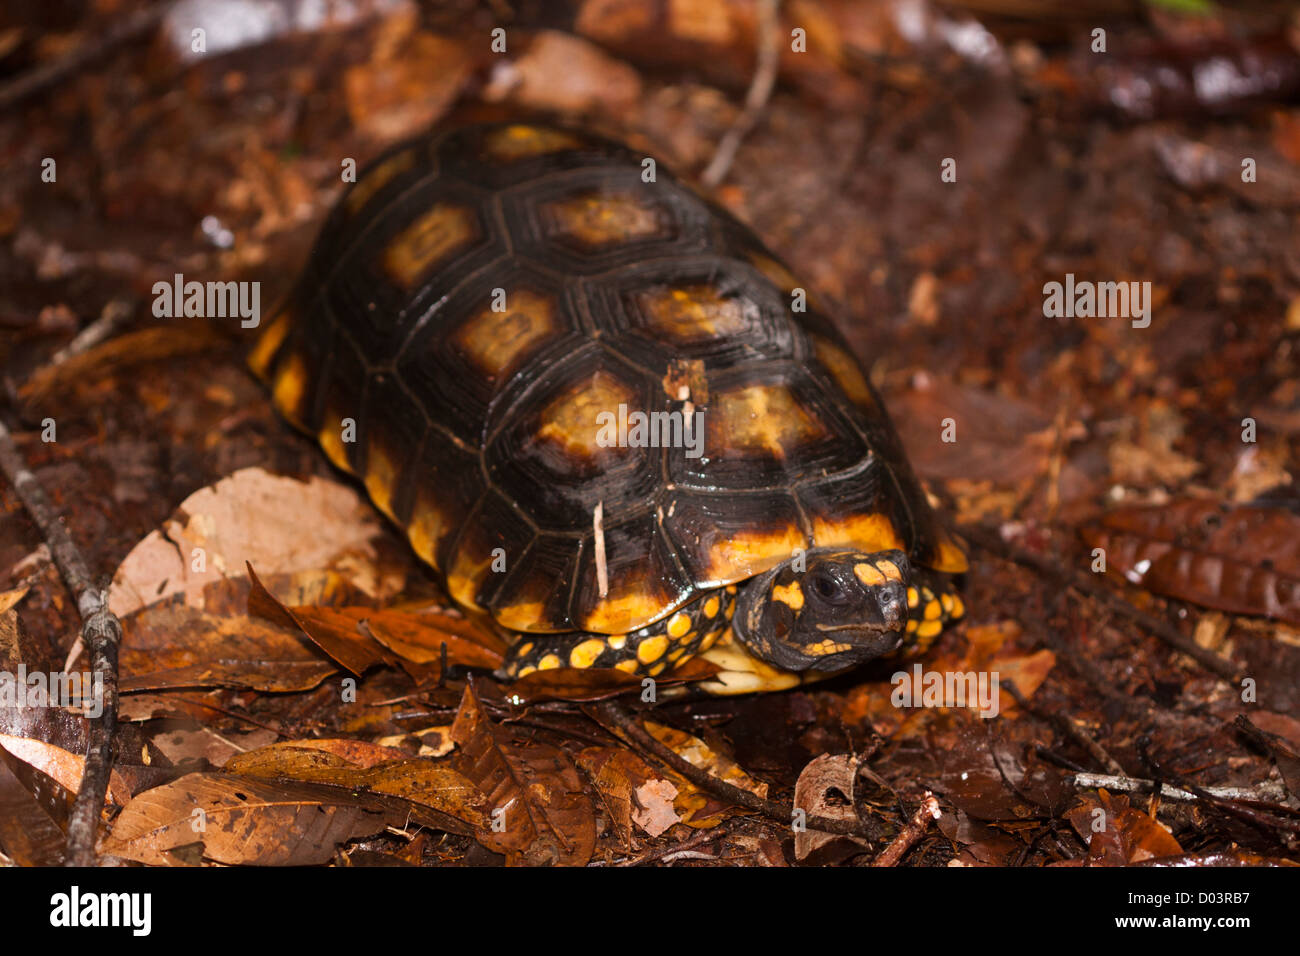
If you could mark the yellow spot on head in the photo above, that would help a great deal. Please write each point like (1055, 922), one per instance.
(585, 654)
(651, 649)
(790, 595)
(679, 625)
(868, 575)
(889, 569)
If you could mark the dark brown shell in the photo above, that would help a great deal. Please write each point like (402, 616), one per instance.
(476, 429)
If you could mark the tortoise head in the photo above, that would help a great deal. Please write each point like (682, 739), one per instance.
(825, 609)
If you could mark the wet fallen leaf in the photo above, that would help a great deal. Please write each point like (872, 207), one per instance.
(633, 793)
(1243, 559)
(825, 789)
(1118, 834)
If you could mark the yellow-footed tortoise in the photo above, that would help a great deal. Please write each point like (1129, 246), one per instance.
(603, 411)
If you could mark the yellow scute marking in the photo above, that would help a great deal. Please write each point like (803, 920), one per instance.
(520, 142)
(846, 372)
(570, 422)
(290, 387)
(867, 532)
(268, 343)
(602, 219)
(377, 178)
(951, 558)
(431, 238)
(651, 649)
(496, 343)
(424, 530)
(520, 617)
(692, 313)
(585, 654)
(868, 575)
(789, 594)
(381, 475)
(745, 554)
(762, 418)
(331, 440)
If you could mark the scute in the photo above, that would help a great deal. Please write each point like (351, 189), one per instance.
(482, 304)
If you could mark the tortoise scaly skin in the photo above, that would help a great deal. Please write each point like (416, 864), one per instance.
(480, 298)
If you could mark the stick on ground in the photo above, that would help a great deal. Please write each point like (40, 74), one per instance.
(100, 631)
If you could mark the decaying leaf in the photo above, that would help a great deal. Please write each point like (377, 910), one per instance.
(694, 806)
(169, 645)
(632, 791)
(244, 820)
(825, 789)
(1243, 559)
(540, 813)
(34, 812)
(353, 767)
(253, 516)
(1117, 833)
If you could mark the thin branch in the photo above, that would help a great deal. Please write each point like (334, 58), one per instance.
(100, 631)
(993, 543)
(911, 834)
(760, 90)
(51, 74)
(1266, 792)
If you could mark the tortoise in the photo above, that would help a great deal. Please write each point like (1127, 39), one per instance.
(607, 415)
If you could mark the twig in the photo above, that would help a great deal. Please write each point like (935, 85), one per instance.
(1067, 726)
(760, 89)
(700, 838)
(51, 74)
(908, 837)
(100, 631)
(110, 319)
(781, 813)
(993, 543)
(1267, 792)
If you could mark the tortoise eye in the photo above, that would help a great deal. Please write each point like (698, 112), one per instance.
(827, 588)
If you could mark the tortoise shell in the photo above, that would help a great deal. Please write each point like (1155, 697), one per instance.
(475, 301)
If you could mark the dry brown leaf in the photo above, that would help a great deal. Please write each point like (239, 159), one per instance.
(825, 789)
(632, 791)
(61, 766)
(170, 645)
(694, 806)
(421, 781)
(275, 522)
(240, 820)
(539, 810)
